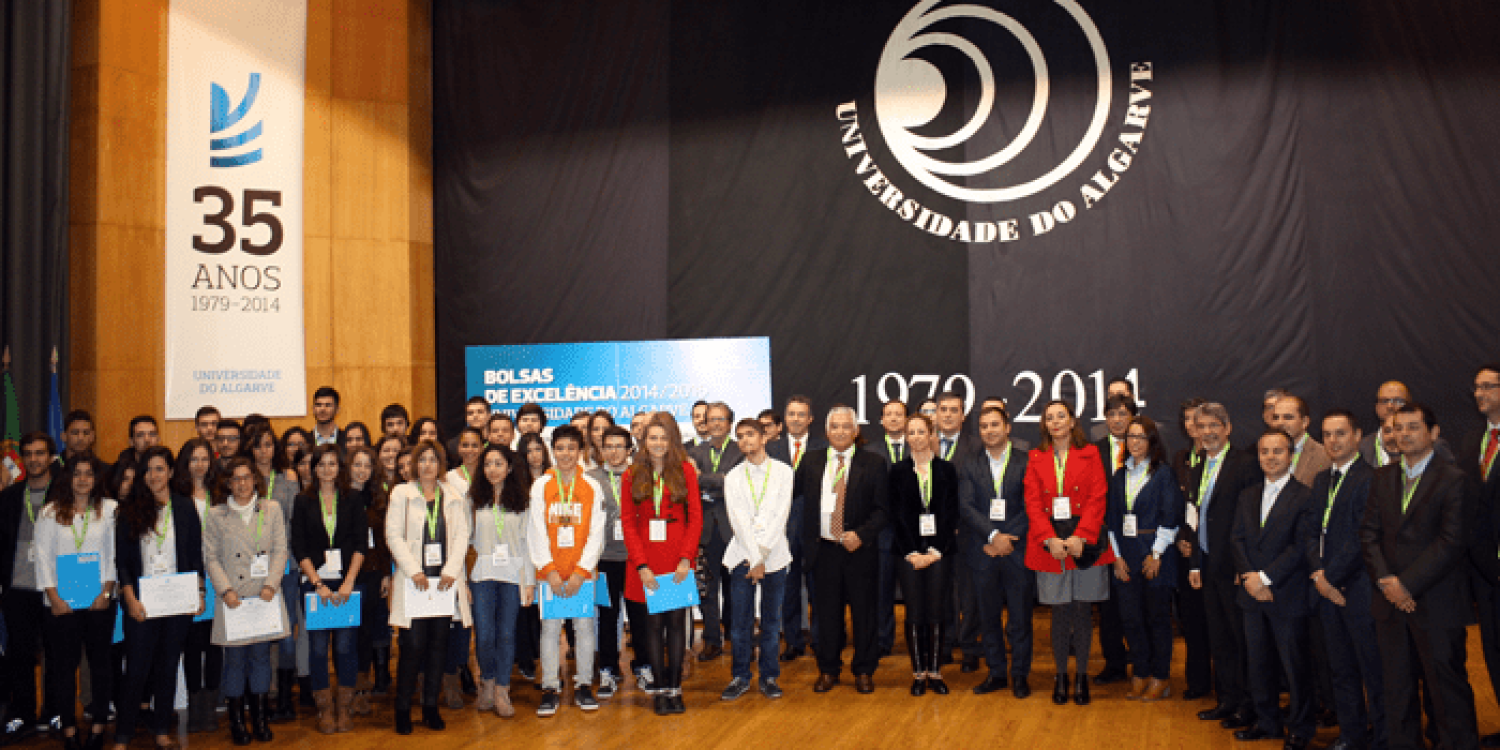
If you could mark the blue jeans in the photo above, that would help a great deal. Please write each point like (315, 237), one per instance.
(252, 662)
(345, 650)
(496, 604)
(286, 648)
(742, 593)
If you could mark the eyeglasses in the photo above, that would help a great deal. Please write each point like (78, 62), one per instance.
(1390, 402)
(1482, 387)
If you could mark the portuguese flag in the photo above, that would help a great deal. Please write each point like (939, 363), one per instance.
(10, 453)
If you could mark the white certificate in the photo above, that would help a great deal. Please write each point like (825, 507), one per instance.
(165, 596)
(429, 603)
(254, 618)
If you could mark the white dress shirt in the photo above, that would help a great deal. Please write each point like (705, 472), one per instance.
(759, 532)
(54, 539)
(1268, 496)
(829, 499)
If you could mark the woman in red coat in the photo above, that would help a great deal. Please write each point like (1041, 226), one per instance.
(662, 520)
(1066, 543)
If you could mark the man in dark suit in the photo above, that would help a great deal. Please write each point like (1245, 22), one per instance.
(714, 458)
(1342, 588)
(1414, 540)
(796, 442)
(1477, 458)
(891, 448)
(958, 446)
(1271, 561)
(1214, 489)
(844, 510)
(20, 591)
(1119, 409)
(992, 533)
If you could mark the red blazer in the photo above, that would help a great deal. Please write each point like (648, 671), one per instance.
(684, 527)
(1084, 485)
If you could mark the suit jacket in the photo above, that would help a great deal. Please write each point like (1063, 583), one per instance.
(1276, 548)
(1340, 557)
(12, 510)
(230, 546)
(906, 507)
(1485, 529)
(351, 531)
(1083, 484)
(1313, 461)
(866, 503)
(1440, 448)
(1107, 461)
(1158, 505)
(1423, 547)
(976, 488)
(1238, 472)
(187, 529)
(711, 482)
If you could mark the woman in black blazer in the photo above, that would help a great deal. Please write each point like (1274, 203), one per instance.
(1145, 507)
(158, 533)
(330, 535)
(924, 512)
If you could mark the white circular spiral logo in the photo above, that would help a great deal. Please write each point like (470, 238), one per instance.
(910, 92)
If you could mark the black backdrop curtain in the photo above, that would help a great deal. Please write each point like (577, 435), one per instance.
(1307, 208)
(34, 66)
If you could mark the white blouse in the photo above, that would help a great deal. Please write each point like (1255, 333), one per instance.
(53, 539)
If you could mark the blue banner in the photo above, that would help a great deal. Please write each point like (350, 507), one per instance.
(623, 377)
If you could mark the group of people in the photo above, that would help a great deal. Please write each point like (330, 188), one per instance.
(1343, 572)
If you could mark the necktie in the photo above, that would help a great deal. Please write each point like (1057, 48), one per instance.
(946, 443)
(1407, 483)
(836, 525)
(1333, 481)
(1120, 455)
(1489, 452)
(796, 453)
(901, 451)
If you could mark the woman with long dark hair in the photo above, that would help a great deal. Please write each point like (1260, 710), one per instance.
(77, 522)
(354, 435)
(662, 518)
(367, 479)
(533, 460)
(196, 475)
(294, 442)
(158, 534)
(503, 578)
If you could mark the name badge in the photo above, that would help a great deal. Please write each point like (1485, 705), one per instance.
(619, 530)
(159, 565)
(333, 564)
(501, 555)
(1062, 508)
(927, 524)
(658, 530)
(707, 498)
(432, 554)
(260, 566)
(31, 552)
(1129, 525)
(1192, 516)
(997, 509)
(565, 537)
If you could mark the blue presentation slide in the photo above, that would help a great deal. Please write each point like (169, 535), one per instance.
(623, 377)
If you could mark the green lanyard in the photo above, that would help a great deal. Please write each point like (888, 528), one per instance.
(1003, 466)
(953, 446)
(467, 478)
(566, 491)
(499, 523)
(765, 480)
(1061, 467)
(432, 512)
(30, 511)
(1194, 459)
(614, 483)
(1328, 511)
(656, 496)
(79, 539)
(161, 534)
(271, 486)
(1407, 494)
(1297, 455)
(1380, 457)
(330, 519)
(1484, 447)
(713, 458)
(1211, 472)
(1133, 489)
(841, 472)
(924, 482)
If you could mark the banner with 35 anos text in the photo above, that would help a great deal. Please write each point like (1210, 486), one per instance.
(234, 326)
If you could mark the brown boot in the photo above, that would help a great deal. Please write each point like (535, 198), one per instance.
(361, 704)
(323, 699)
(343, 699)
(1137, 689)
(453, 695)
(486, 699)
(503, 709)
(1157, 690)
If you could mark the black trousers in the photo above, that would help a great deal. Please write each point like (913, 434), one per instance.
(1226, 634)
(1112, 631)
(424, 650)
(1439, 655)
(202, 661)
(24, 616)
(1192, 617)
(845, 579)
(1007, 589)
(964, 623)
(885, 599)
(607, 630)
(1354, 657)
(528, 636)
(716, 536)
(152, 649)
(662, 639)
(67, 639)
(1268, 634)
(925, 590)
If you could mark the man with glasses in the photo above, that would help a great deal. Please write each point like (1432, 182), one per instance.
(714, 457)
(1375, 449)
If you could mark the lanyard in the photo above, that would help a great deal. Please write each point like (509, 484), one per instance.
(30, 511)
(614, 483)
(467, 478)
(1484, 447)
(79, 539)
(656, 496)
(161, 534)
(924, 482)
(1194, 459)
(890, 447)
(714, 457)
(1211, 473)
(953, 446)
(330, 519)
(271, 486)
(566, 491)
(1328, 511)
(1060, 465)
(1380, 457)
(1133, 489)
(499, 523)
(1003, 466)
(764, 480)
(432, 512)
(841, 472)
(1297, 455)
(1406, 495)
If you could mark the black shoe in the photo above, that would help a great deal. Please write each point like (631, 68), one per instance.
(1490, 740)
(1327, 719)
(432, 719)
(1110, 676)
(551, 701)
(1256, 733)
(769, 688)
(918, 686)
(239, 734)
(677, 706)
(710, 652)
(1192, 694)
(260, 717)
(1294, 742)
(1081, 690)
(1020, 688)
(1217, 713)
(662, 705)
(529, 672)
(305, 693)
(466, 683)
(792, 654)
(1239, 721)
(736, 688)
(583, 697)
(285, 709)
(995, 681)
(403, 721)
(970, 665)
(936, 685)
(1060, 689)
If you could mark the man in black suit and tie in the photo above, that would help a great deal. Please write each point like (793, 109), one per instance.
(1214, 489)
(714, 459)
(789, 449)
(891, 448)
(992, 534)
(844, 510)
(1119, 409)
(1414, 541)
(1271, 562)
(1342, 588)
(1477, 454)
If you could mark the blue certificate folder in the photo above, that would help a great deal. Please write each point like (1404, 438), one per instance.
(78, 580)
(209, 598)
(556, 607)
(669, 595)
(325, 616)
(601, 591)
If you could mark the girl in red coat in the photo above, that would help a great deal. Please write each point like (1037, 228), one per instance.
(662, 520)
(1065, 544)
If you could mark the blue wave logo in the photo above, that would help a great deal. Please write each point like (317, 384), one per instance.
(221, 118)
